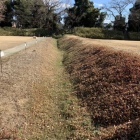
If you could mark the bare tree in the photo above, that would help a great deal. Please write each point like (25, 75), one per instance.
(2, 9)
(117, 7)
(53, 4)
(131, 1)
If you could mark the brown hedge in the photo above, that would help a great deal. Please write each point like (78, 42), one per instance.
(107, 81)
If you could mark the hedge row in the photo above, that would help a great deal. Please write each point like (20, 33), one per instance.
(99, 33)
(8, 31)
(134, 35)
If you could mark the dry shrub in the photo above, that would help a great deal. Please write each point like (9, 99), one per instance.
(107, 81)
(130, 132)
(8, 135)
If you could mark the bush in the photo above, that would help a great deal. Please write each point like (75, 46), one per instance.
(98, 33)
(134, 35)
(107, 81)
(9, 31)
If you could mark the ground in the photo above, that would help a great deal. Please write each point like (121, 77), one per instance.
(31, 83)
(7, 42)
(22, 75)
(36, 98)
(125, 45)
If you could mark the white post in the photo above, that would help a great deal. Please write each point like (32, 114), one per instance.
(25, 45)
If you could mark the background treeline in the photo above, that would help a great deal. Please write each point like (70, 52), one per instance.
(47, 17)
(48, 14)
(31, 14)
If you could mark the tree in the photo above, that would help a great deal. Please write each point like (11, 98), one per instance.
(39, 13)
(117, 9)
(33, 14)
(53, 14)
(134, 18)
(2, 9)
(84, 14)
(7, 13)
(23, 12)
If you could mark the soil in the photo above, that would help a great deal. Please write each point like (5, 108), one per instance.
(7, 42)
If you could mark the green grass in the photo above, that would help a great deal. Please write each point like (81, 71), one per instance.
(77, 121)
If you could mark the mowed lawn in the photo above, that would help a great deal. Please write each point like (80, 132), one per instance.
(123, 45)
(7, 42)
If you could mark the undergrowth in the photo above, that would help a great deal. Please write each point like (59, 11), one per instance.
(107, 82)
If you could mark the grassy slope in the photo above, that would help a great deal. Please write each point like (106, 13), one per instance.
(107, 81)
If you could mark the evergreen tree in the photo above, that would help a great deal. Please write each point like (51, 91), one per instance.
(134, 18)
(39, 14)
(32, 14)
(2, 9)
(84, 14)
(7, 14)
(23, 12)
(36, 14)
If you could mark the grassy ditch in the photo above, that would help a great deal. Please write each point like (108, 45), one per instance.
(54, 109)
(51, 110)
(107, 82)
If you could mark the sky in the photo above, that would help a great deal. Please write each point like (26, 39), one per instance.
(97, 3)
(100, 3)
